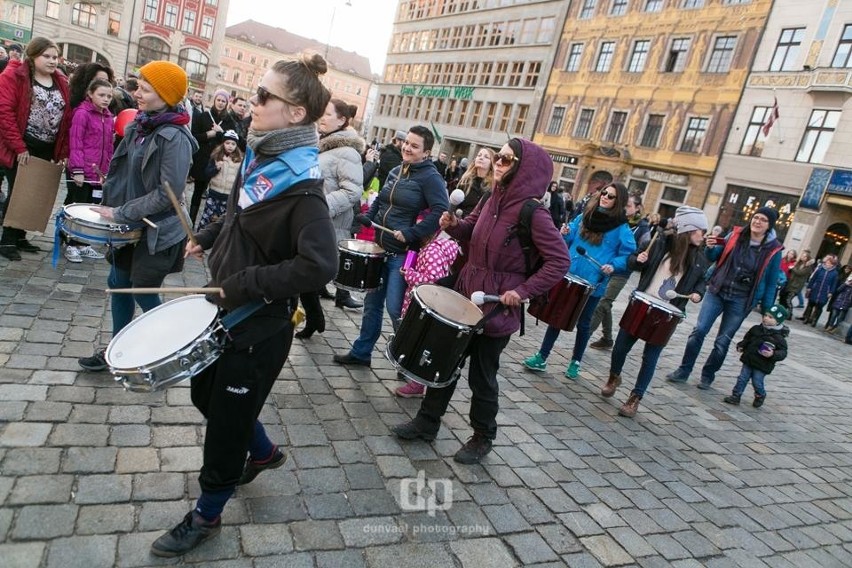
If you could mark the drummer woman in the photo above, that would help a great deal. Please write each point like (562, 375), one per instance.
(673, 262)
(156, 149)
(603, 232)
(275, 241)
(496, 266)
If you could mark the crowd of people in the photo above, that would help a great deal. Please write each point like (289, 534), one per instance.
(280, 179)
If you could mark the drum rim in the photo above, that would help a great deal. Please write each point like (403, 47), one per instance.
(652, 300)
(374, 254)
(431, 311)
(578, 280)
(123, 229)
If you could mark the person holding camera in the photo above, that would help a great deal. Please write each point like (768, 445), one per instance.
(747, 265)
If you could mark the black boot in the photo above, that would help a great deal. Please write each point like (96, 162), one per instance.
(344, 299)
(314, 316)
(325, 294)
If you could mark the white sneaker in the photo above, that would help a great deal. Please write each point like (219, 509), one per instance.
(88, 252)
(73, 254)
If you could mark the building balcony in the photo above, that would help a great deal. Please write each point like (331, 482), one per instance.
(826, 79)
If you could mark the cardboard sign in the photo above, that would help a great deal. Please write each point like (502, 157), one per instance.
(34, 195)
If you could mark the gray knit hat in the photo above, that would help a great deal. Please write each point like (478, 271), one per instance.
(688, 219)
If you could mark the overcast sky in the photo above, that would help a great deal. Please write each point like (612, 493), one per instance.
(363, 27)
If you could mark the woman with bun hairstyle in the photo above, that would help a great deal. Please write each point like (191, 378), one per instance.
(276, 241)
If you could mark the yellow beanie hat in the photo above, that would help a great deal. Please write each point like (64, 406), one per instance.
(167, 79)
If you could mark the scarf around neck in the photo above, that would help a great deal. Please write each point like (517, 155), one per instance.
(602, 222)
(274, 142)
(147, 122)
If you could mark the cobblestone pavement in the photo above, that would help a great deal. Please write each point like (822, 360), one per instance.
(91, 474)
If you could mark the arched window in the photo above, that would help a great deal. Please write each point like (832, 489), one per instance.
(151, 49)
(194, 62)
(78, 54)
(84, 14)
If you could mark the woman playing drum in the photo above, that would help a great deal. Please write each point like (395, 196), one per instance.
(672, 263)
(275, 241)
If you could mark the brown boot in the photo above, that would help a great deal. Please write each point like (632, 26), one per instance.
(611, 385)
(630, 407)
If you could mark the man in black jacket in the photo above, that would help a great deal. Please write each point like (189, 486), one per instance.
(391, 157)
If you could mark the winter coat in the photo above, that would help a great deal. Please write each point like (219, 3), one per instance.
(433, 263)
(616, 246)
(799, 274)
(757, 336)
(842, 297)
(496, 261)
(768, 266)
(343, 177)
(15, 104)
(390, 158)
(557, 209)
(822, 284)
(202, 122)
(91, 141)
(410, 188)
(692, 282)
(222, 179)
(474, 189)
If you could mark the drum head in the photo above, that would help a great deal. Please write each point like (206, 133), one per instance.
(364, 247)
(657, 302)
(578, 280)
(160, 332)
(85, 212)
(449, 304)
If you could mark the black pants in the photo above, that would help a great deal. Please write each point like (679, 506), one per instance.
(484, 359)
(813, 312)
(198, 191)
(313, 310)
(230, 394)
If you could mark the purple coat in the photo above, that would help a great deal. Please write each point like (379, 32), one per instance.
(90, 141)
(495, 261)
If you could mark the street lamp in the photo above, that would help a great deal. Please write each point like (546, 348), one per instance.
(331, 25)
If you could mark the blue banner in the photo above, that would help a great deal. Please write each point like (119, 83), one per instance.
(840, 183)
(812, 197)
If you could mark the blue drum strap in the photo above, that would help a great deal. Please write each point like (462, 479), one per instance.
(241, 313)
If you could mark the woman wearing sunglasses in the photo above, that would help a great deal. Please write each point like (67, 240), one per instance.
(275, 241)
(603, 232)
(496, 266)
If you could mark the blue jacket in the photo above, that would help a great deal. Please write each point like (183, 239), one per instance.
(768, 267)
(822, 284)
(616, 246)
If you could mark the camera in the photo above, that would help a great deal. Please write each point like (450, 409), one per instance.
(744, 279)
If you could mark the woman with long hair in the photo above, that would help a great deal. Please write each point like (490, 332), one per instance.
(603, 232)
(209, 129)
(799, 274)
(478, 179)
(35, 117)
(673, 262)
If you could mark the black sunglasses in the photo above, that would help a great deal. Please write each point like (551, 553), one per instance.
(263, 95)
(608, 195)
(504, 160)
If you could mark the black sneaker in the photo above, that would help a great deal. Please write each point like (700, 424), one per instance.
(350, 359)
(252, 468)
(601, 343)
(10, 252)
(96, 362)
(189, 533)
(476, 448)
(348, 302)
(758, 401)
(412, 431)
(732, 399)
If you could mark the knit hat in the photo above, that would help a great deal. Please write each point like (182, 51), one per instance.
(231, 135)
(15, 47)
(778, 312)
(168, 80)
(222, 93)
(689, 219)
(463, 164)
(770, 214)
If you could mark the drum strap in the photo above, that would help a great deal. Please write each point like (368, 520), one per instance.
(241, 313)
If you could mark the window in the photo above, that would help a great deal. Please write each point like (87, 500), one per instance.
(637, 187)
(616, 126)
(754, 138)
(476, 114)
(575, 55)
(557, 116)
(605, 55)
(688, 4)
(52, 10)
(151, 49)
(533, 72)
(188, 24)
(675, 194)
(735, 2)
(528, 30)
(194, 63)
(844, 48)
(171, 15)
(618, 8)
(653, 5)
(545, 30)
(489, 116)
(451, 111)
(463, 106)
(787, 51)
(584, 123)
(472, 73)
(722, 54)
(84, 15)
(207, 23)
(485, 75)
(639, 56)
(678, 55)
(588, 9)
(653, 129)
(504, 117)
(114, 23)
(513, 32)
(211, 2)
(151, 7)
(500, 73)
(818, 134)
(521, 120)
(515, 75)
(693, 138)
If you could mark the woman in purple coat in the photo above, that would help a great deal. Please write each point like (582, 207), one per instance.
(496, 266)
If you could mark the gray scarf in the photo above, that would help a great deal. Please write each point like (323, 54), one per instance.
(274, 142)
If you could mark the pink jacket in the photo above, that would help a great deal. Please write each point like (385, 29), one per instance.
(433, 263)
(91, 141)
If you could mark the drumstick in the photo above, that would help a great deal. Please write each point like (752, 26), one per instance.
(364, 220)
(671, 295)
(653, 238)
(174, 290)
(187, 228)
(149, 222)
(582, 252)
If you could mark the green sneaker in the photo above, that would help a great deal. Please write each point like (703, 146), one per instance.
(535, 363)
(573, 370)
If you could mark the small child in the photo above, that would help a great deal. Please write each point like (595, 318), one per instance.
(763, 345)
(434, 260)
(225, 161)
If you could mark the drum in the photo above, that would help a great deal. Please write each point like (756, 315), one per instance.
(564, 303)
(650, 319)
(81, 222)
(431, 343)
(166, 345)
(360, 267)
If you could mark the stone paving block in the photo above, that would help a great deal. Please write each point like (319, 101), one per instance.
(34, 489)
(31, 461)
(5, 523)
(313, 457)
(431, 526)
(72, 394)
(352, 451)
(395, 466)
(43, 522)
(340, 559)
(103, 489)
(488, 494)
(534, 477)
(503, 475)
(90, 460)
(328, 506)
(12, 411)
(82, 552)
(89, 414)
(668, 547)
(322, 480)
(307, 435)
(264, 540)
(506, 518)
(31, 434)
(170, 436)
(579, 493)
(47, 411)
(187, 459)
(79, 435)
(366, 531)
(363, 476)
(130, 435)
(20, 361)
(581, 560)
(530, 548)
(158, 486)
(532, 509)
(137, 460)
(604, 516)
(559, 538)
(475, 553)
(23, 554)
(53, 378)
(105, 519)
(367, 502)
(580, 524)
(469, 520)
(130, 414)
(292, 560)
(277, 509)
(316, 535)
(159, 515)
(415, 555)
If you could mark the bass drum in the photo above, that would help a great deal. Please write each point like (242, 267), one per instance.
(650, 319)
(564, 303)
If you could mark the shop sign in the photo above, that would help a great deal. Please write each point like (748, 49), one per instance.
(437, 92)
(562, 159)
(662, 177)
(814, 190)
(840, 183)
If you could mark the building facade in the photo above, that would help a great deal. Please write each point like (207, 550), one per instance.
(797, 160)
(644, 92)
(251, 48)
(473, 70)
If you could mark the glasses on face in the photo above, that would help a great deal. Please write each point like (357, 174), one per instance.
(263, 95)
(760, 218)
(504, 160)
(608, 195)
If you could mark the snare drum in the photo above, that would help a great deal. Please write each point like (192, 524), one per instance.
(431, 343)
(564, 303)
(166, 345)
(650, 319)
(79, 221)
(360, 267)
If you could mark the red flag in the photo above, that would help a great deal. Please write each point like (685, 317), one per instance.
(771, 118)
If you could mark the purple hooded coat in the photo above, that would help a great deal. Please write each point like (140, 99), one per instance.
(90, 141)
(496, 263)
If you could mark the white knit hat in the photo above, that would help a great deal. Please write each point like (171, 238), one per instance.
(688, 219)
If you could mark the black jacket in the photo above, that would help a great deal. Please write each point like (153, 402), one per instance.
(557, 208)
(757, 336)
(390, 158)
(690, 283)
